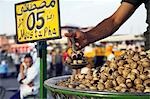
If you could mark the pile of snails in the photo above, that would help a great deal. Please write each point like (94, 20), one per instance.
(127, 73)
(76, 58)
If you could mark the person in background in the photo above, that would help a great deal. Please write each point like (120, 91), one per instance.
(17, 60)
(111, 56)
(3, 69)
(58, 63)
(67, 70)
(111, 24)
(53, 68)
(28, 78)
(50, 67)
(99, 55)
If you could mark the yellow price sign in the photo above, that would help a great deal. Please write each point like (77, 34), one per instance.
(37, 20)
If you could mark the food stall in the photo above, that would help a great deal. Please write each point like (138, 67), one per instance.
(124, 77)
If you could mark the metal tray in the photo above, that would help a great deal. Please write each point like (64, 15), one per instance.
(59, 92)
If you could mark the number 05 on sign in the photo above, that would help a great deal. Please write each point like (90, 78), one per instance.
(37, 20)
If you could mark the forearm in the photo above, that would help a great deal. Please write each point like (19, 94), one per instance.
(111, 24)
(104, 29)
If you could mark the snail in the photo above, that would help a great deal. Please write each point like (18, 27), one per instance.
(147, 89)
(82, 86)
(108, 84)
(124, 90)
(147, 83)
(103, 77)
(138, 81)
(135, 71)
(120, 80)
(123, 85)
(133, 65)
(140, 87)
(118, 88)
(120, 69)
(143, 77)
(136, 57)
(93, 88)
(121, 63)
(127, 73)
(114, 82)
(113, 65)
(100, 86)
(131, 76)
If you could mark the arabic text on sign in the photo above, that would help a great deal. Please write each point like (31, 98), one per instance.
(37, 20)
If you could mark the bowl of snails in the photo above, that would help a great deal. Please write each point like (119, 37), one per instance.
(124, 77)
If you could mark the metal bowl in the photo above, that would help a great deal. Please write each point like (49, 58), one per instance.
(59, 92)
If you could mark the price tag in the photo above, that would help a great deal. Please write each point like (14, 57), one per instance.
(37, 20)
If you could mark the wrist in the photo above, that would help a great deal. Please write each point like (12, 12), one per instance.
(88, 38)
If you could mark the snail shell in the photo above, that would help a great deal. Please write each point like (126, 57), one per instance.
(121, 63)
(71, 86)
(120, 80)
(138, 81)
(147, 83)
(103, 77)
(126, 72)
(123, 85)
(108, 84)
(118, 88)
(147, 89)
(114, 83)
(82, 86)
(143, 77)
(93, 88)
(146, 64)
(115, 74)
(132, 90)
(100, 86)
(129, 61)
(81, 77)
(133, 65)
(120, 69)
(140, 68)
(140, 87)
(135, 71)
(136, 57)
(113, 65)
(131, 76)
(129, 85)
(124, 90)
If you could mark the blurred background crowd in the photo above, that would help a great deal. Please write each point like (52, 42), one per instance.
(12, 54)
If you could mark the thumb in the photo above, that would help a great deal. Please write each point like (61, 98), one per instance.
(70, 34)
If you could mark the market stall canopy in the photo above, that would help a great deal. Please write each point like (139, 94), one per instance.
(116, 38)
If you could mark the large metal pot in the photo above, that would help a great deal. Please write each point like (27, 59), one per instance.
(59, 92)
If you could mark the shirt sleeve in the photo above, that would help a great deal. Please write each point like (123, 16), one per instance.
(30, 76)
(32, 73)
(136, 3)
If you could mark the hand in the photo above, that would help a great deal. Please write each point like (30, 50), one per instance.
(30, 84)
(80, 39)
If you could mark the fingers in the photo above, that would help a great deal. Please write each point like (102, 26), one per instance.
(78, 46)
(69, 43)
(70, 34)
(76, 36)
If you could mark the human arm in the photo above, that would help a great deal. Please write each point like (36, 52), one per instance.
(105, 28)
(30, 76)
(21, 71)
(33, 71)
